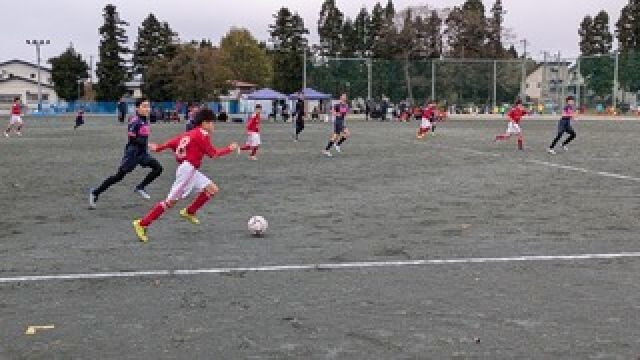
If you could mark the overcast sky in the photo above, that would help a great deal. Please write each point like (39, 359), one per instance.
(547, 24)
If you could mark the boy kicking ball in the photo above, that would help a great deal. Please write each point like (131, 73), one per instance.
(189, 148)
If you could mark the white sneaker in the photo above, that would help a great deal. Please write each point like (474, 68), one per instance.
(143, 193)
(565, 148)
(6, 134)
(92, 200)
(327, 153)
(338, 150)
(551, 151)
(18, 133)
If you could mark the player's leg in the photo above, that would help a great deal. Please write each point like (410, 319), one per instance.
(19, 127)
(561, 130)
(156, 171)
(344, 135)
(332, 141)
(128, 164)
(206, 190)
(572, 136)
(254, 142)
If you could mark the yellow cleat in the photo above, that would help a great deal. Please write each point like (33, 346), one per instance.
(191, 218)
(140, 230)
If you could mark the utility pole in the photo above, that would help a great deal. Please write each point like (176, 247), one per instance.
(543, 90)
(615, 80)
(38, 44)
(304, 68)
(433, 79)
(523, 87)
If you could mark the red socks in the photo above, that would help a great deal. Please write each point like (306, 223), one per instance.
(245, 147)
(520, 144)
(502, 137)
(202, 198)
(153, 214)
(254, 151)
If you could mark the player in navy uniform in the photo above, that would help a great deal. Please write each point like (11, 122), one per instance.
(340, 129)
(564, 126)
(135, 153)
(79, 119)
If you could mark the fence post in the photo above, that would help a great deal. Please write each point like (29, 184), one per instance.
(369, 78)
(304, 68)
(615, 81)
(495, 84)
(578, 84)
(433, 79)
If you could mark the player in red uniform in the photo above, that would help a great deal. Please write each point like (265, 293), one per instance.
(16, 118)
(428, 118)
(515, 115)
(253, 134)
(189, 148)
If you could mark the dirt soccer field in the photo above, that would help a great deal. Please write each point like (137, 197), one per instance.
(452, 247)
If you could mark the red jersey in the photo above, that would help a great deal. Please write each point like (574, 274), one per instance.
(516, 114)
(253, 124)
(428, 112)
(192, 146)
(15, 109)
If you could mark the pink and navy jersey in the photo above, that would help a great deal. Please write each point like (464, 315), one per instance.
(15, 109)
(138, 131)
(568, 112)
(341, 111)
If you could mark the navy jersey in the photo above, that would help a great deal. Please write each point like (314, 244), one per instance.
(138, 132)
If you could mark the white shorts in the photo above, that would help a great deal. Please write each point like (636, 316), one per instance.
(513, 128)
(15, 119)
(253, 139)
(188, 178)
(425, 124)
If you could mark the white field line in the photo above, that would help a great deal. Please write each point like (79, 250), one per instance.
(311, 267)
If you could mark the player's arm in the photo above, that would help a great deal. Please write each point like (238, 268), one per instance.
(171, 144)
(212, 151)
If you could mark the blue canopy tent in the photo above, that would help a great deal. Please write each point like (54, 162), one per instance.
(266, 94)
(310, 94)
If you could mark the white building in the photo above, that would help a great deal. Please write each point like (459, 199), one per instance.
(19, 78)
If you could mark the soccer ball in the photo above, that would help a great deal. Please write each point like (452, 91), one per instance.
(257, 225)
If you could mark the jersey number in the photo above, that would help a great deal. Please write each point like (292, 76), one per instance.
(181, 150)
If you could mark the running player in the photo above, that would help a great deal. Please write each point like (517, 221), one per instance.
(299, 116)
(427, 119)
(513, 128)
(135, 153)
(340, 130)
(564, 125)
(189, 148)
(16, 118)
(79, 119)
(253, 133)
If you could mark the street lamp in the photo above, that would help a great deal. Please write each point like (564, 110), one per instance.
(37, 44)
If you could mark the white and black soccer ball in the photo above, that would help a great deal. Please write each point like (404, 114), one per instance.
(257, 225)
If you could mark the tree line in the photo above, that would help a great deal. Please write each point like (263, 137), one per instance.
(399, 40)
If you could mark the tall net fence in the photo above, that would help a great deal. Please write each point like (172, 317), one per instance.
(486, 85)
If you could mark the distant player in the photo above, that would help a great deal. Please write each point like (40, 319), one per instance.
(79, 119)
(513, 128)
(189, 148)
(299, 116)
(564, 126)
(427, 120)
(253, 134)
(340, 130)
(191, 115)
(135, 153)
(16, 118)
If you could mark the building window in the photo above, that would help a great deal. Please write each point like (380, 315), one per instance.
(8, 98)
(34, 96)
(33, 76)
(538, 85)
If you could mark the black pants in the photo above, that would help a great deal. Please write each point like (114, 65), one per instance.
(128, 164)
(299, 126)
(564, 126)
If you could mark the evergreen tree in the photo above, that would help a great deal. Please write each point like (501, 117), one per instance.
(67, 70)
(330, 26)
(362, 29)
(350, 42)
(242, 55)
(376, 30)
(628, 27)
(495, 49)
(111, 69)
(288, 36)
(596, 64)
(390, 11)
(434, 35)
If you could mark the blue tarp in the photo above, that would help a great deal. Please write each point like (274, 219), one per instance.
(311, 94)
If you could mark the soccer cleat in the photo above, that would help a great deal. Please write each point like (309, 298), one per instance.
(338, 149)
(143, 194)
(92, 199)
(140, 230)
(253, 158)
(551, 151)
(565, 148)
(18, 133)
(191, 218)
(6, 134)
(327, 153)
